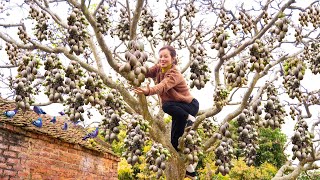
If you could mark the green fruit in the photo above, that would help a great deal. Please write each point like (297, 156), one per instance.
(141, 77)
(137, 70)
(133, 60)
(189, 137)
(190, 157)
(131, 76)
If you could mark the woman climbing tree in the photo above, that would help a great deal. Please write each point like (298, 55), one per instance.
(175, 97)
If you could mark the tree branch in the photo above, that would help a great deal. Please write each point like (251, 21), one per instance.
(9, 66)
(95, 55)
(98, 34)
(135, 19)
(54, 16)
(260, 34)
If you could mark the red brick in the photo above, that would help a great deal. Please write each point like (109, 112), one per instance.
(3, 146)
(2, 159)
(15, 148)
(37, 176)
(13, 161)
(53, 156)
(44, 154)
(4, 166)
(23, 174)
(10, 153)
(10, 173)
(10, 127)
(4, 177)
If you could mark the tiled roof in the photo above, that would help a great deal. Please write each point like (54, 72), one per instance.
(73, 134)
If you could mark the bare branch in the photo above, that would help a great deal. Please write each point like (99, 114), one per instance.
(9, 66)
(96, 56)
(135, 19)
(11, 25)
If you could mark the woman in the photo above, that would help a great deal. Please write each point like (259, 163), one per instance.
(174, 94)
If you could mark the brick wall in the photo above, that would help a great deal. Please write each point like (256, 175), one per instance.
(28, 155)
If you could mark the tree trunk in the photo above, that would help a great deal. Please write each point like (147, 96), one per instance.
(176, 167)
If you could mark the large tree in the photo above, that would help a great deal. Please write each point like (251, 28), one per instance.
(90, 54)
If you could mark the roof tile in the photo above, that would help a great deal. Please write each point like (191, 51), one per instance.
(73, 134)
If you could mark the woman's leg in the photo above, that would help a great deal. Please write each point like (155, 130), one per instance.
(179, 112)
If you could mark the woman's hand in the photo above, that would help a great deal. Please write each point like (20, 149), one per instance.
(139, 90)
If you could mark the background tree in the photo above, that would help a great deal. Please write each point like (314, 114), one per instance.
(88, 55)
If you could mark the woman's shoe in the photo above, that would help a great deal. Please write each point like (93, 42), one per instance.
(192, 175)
(188, 125)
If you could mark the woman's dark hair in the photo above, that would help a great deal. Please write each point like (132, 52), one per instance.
(172, 51)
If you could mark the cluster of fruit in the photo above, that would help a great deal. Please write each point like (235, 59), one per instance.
(234, 27)
(23, 91)
(76, 95)
(111, 126)
(190, 11)
(135, 67)
(301, 140)
(248, 136)
(274, 111)
(77, 32)
(293, 113)
(135, 139)
(266, 17)
(220, 96)
(260, 56)
(198, 68)
(312, 54)
(314, 98)
(123, 28)
(294, 69)
(235, 73)
(23, 35)
(27, 71)
(113, 100)
(281, 28)
(207, 126)
(192, 144)
(156, 159)
(13, 52)
(166, 26)
(147, 22)
(310, 15)
(54, 81)
(246, 22)
(224, 152)
(41, 28)
(224, 17)
(93, 86)
(219, 41)
(256, 111)
(103, 21)
(199, 35)
(298, 35)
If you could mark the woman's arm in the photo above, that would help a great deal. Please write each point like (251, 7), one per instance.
(152, 71)
(171, 79)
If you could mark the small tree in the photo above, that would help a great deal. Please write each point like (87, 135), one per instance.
(89, 54)
(271, 147)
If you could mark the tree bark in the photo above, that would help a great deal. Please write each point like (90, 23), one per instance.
(175, 168)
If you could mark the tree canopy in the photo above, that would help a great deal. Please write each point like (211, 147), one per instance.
(253, 59)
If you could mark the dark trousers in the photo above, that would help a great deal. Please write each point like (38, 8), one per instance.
(179, 112)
